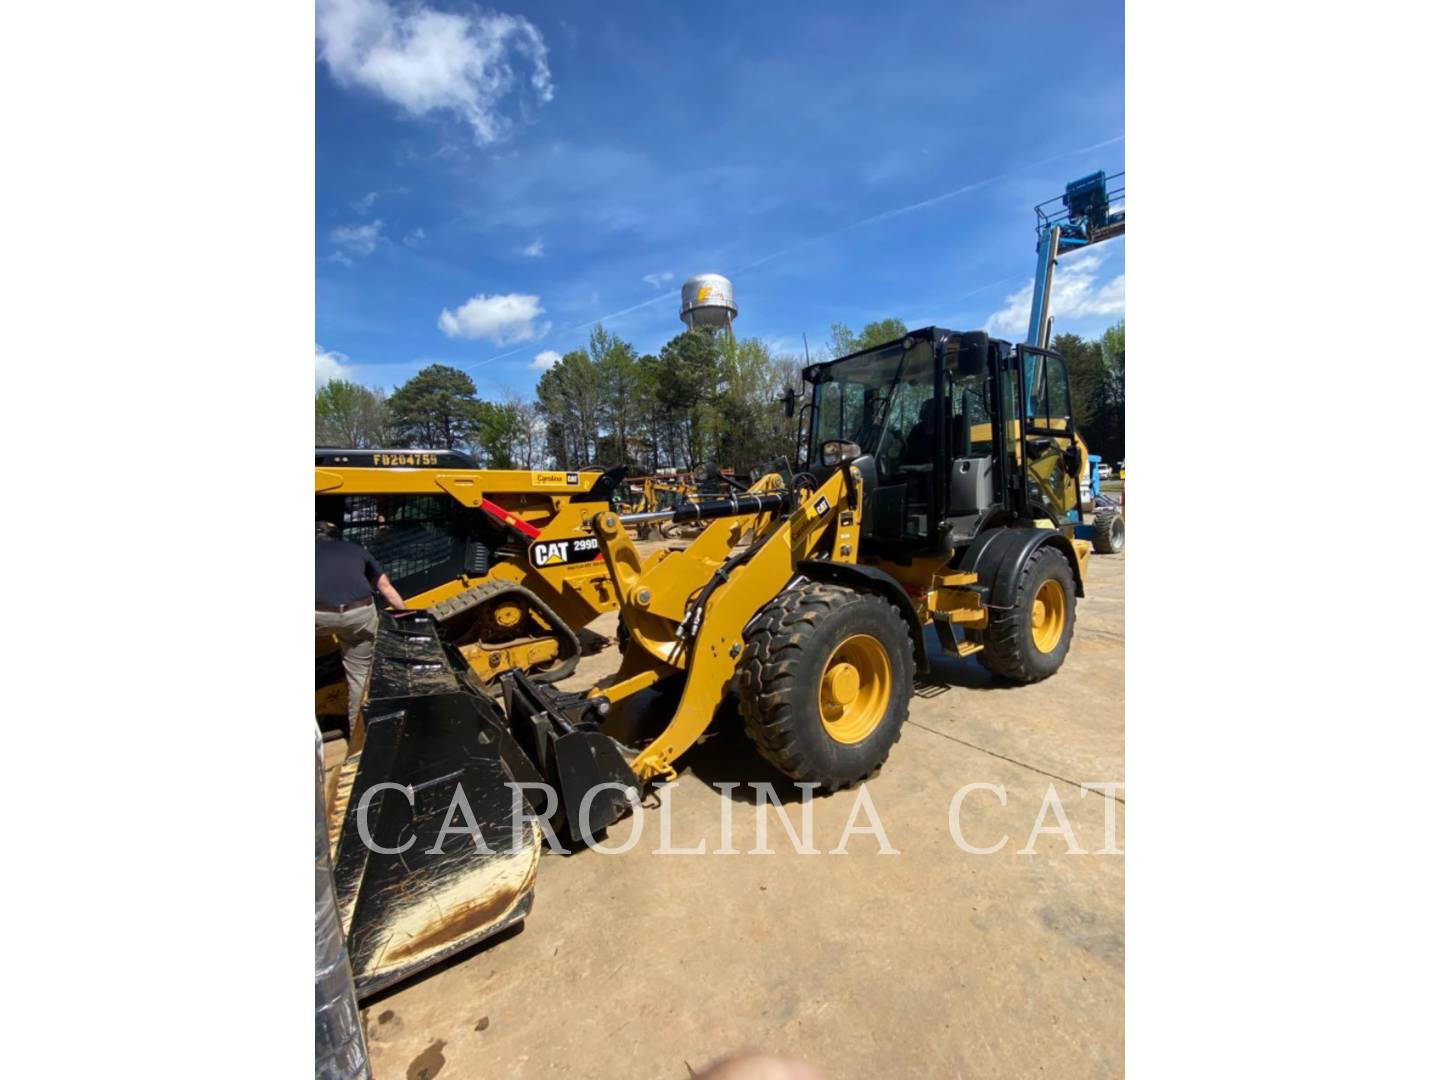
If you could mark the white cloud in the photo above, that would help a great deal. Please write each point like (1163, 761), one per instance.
(1073, 294)
(414, 236)
(358, 240)
(545, 361)
(330, 365)
(502, 319)
(656, 280)
(535, 250)
(363, 205)
(426, 60)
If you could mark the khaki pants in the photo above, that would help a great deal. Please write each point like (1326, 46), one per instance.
(355, 631)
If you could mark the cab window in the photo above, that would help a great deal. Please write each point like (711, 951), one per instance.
(970, 431)
(1049, 402)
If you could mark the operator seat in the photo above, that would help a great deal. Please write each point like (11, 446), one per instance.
(920, 442)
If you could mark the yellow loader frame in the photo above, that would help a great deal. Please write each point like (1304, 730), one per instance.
(657, 598)
(535, 506)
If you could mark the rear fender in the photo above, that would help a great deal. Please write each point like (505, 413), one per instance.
(999, 555)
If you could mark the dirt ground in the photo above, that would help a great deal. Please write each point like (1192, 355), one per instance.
(928, 961)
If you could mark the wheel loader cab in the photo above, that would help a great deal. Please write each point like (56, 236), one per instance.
(884, 401)
(939, 466)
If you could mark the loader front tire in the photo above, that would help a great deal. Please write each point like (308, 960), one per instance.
(1029, 642)
(1109, 532)
(824, 683)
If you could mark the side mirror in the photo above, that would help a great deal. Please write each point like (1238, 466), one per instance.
(789, 400)
(837, 451)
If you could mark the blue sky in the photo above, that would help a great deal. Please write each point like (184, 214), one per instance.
(491, 182)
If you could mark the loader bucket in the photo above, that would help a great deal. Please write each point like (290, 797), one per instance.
(434, 811)
(413, 884)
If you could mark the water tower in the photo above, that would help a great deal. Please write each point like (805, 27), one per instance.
(708, 300)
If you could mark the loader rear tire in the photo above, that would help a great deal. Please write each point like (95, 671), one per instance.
(1029, 642)
(824, 683)
(1109, 532)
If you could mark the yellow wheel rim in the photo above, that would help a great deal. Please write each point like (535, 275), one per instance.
(508, 616)
(855, 689)
(1047, 615)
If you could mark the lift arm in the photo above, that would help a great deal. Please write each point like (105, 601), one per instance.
(687, 614)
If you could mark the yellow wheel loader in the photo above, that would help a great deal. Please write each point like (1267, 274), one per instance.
(461, 543)
(938, 481)
(641, 496)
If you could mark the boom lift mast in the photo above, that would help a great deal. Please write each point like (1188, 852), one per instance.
(1084, 217)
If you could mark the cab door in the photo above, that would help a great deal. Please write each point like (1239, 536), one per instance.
(1050, 450)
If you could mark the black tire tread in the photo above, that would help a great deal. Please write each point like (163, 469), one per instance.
(1002, 654)
(1104, 531)
(765, 676)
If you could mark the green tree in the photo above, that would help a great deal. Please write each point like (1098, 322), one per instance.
(1097, 388)
(704, 398)
(498, 427)
(527, 446)
(878, 333)
(1111, 395)
(792, 432)
(688, 387)
(844, 341)
(436, 407)
(754, 429)
(1083, 363)
(617, 376)
(649, 377)
(1112, 345)
(569, 396)
(348, 414)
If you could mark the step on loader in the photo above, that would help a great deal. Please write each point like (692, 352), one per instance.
(940, 472)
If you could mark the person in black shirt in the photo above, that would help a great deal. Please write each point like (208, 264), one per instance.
(346, 578)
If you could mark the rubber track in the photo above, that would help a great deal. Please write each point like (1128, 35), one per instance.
(773, 646)
(487, 591)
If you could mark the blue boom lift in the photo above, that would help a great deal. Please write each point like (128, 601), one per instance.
(1084, 215)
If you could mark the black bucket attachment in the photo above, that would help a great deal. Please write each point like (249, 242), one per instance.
(560, 735)
(435, 807)
(413, 883)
